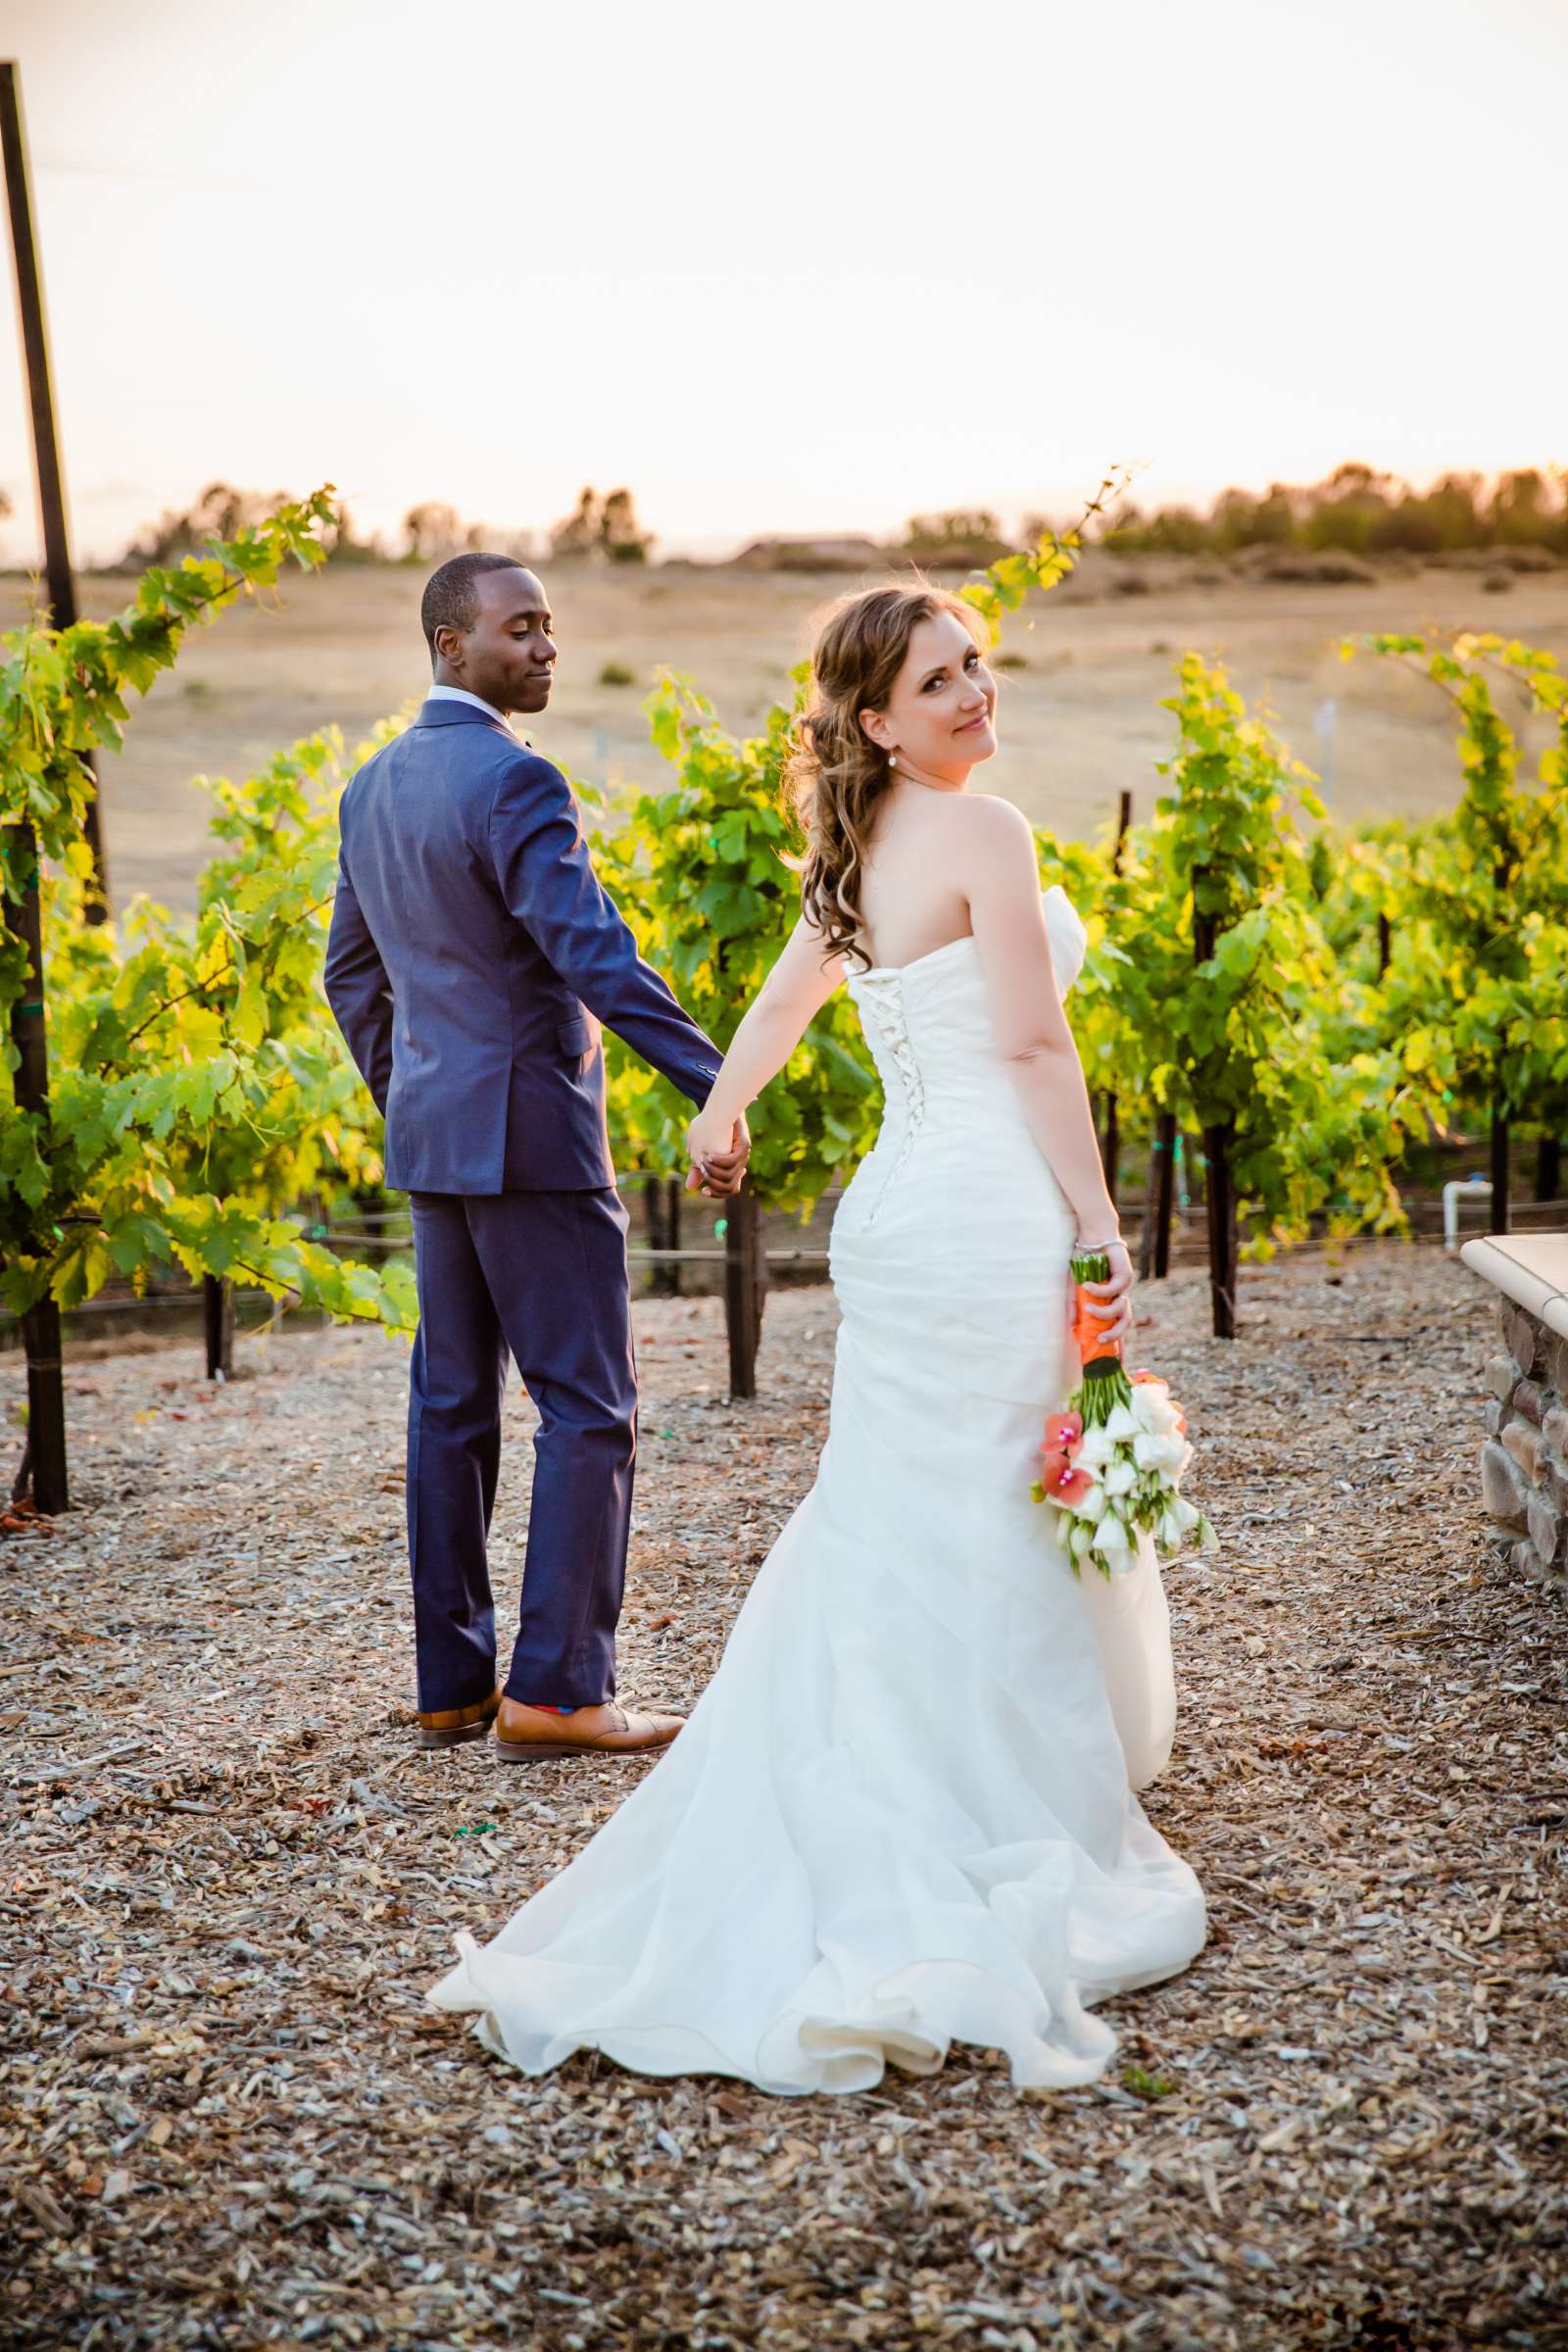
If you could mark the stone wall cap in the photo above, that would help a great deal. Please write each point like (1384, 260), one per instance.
(1530, 1268)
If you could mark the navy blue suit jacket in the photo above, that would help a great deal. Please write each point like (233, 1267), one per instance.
(473, 955)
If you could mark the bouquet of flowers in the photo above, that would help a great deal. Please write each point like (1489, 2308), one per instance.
(1111, 1465)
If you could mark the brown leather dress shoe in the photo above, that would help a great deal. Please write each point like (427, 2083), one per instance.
(536, 1736)
(449, 1727)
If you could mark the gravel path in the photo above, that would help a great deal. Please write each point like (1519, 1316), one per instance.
(228, 1879)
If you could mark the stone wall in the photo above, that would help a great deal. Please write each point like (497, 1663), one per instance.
(1524, 1464)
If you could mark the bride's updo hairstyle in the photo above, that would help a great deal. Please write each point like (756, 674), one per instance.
(834, 774)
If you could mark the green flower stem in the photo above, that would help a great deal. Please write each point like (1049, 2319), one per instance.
(1105, 1386)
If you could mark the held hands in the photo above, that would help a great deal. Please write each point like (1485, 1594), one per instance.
(1112, 1300)
(718, 1153)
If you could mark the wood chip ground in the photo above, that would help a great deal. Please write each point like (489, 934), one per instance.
(228, 1879)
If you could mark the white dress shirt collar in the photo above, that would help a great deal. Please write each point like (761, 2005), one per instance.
(460, 694)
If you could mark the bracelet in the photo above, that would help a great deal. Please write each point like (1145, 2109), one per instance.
(1097, 1249)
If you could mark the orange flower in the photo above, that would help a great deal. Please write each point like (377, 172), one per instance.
(1063, 1431)
(1054, 1471)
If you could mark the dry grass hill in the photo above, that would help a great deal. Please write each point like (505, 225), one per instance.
(1084, 675)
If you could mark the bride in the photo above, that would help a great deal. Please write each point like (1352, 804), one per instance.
(901, 1814)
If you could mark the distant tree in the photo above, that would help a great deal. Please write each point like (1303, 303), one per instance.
(220, 513)
(969, 537)
(1238, 519)
(434, 531)
(1420, 525)
(578, 533)
(1349, 509)
(1122, 531)
(1172, 532)
(602, 526)
(1522, 510)
(1359, 511)
(1440, 519)
(342, 544)
(619, 533)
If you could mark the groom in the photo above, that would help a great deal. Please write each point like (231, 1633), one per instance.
(472, 957)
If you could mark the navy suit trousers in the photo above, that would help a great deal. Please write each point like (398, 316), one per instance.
(541, 1277)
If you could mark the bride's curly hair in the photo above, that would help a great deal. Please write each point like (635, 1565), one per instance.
(834, 774)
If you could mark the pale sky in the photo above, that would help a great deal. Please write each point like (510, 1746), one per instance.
(786, 267)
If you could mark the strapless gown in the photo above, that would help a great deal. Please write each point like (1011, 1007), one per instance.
(902, 1812)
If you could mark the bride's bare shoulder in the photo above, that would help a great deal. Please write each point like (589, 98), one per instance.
(988, 828)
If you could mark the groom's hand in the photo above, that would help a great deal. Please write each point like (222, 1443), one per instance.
(718, 1172)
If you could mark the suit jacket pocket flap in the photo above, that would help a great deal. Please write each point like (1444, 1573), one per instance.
(574, 1037)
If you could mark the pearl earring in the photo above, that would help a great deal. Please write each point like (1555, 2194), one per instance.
(892, 759)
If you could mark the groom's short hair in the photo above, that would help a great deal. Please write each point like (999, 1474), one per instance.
(449, 601)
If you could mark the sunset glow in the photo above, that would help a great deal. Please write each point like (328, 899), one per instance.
(784, 270)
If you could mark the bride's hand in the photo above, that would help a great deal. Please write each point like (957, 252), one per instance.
(718, 1154)
(1112, 1300)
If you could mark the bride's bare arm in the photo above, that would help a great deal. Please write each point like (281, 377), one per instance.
(789, 1000)
(1001, 882)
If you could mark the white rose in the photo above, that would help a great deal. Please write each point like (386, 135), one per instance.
(1120, 1478)
(1120, 1424)
(1094, 1450)
(1153, 1408)
(1164, 1452)
(1093, 1504)
(1081, 1536)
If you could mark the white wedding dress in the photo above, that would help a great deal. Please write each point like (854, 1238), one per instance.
(901, 1814)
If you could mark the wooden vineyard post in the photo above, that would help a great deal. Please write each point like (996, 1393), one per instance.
(1500, 1170)
(672, 1190)
(44, 1464)
(1504, 877)
(1111, 1143)
(1219, 1186)
(43, 1467)
(1385, 944)
(745, 1280)
(218, 1323)
(62, 585)
(1146, 1230)
(661, 1198)
(1548, 1168)
(1111, 1146)
(1159, 1201)
(653, 1224)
